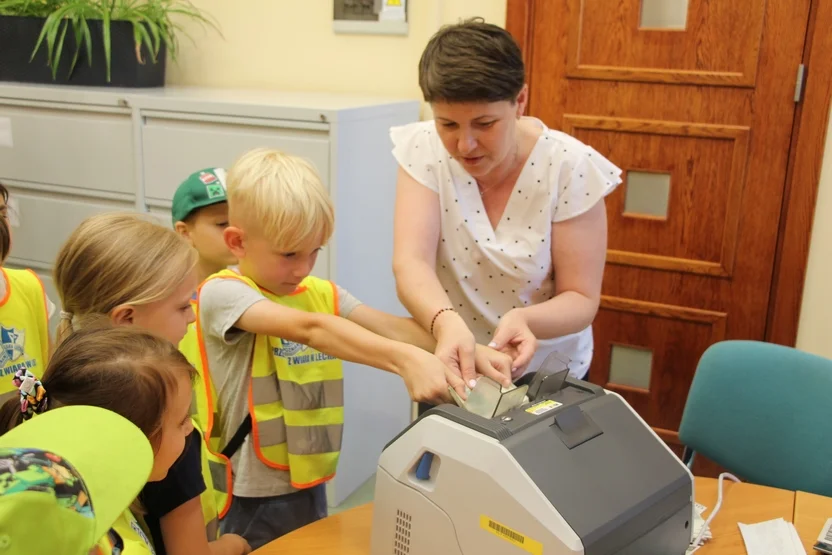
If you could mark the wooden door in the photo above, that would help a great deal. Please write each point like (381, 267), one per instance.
(699, 117)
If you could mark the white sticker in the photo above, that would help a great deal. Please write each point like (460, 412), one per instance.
(543, 407)
(393, 10)
(6, 132)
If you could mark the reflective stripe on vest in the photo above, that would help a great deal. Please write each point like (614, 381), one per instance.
(24, 328)
(296, 396)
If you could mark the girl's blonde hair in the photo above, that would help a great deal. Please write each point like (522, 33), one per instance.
(279, 196)
(119, 368)
(115, 259)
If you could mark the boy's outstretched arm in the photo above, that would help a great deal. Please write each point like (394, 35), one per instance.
(489, 362)
(425, 376)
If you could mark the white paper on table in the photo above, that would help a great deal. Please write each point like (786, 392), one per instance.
(773, 537)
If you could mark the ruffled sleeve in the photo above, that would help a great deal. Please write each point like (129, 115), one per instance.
(414, 151)
(583, 179)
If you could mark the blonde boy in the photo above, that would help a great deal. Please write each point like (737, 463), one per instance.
(271, 335)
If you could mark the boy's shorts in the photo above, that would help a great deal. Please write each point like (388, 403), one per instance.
(263, 519)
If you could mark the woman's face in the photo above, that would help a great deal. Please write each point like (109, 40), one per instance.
(481, 136)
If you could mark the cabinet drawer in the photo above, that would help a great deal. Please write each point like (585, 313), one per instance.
(173, 149)
(45, 221)
(80, 149)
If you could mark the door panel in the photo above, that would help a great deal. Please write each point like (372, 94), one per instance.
(700, 120)
(607, 41)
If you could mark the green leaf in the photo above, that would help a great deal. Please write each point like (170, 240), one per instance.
(157, 39)
(51, 35)
(105, 28)
(87, 39)
(144, 36)
(78, 35)
(42, 35)
(60, 48)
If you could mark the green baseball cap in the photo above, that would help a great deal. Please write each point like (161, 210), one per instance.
(201, 189)
(66, 476)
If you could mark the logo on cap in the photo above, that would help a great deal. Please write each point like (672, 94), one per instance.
(207, 177)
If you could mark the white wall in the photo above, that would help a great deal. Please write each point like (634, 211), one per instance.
(815, 330)
(290, 45)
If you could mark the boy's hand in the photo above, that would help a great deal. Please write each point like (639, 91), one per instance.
(427, 378)
(230, 544)
(494, 364)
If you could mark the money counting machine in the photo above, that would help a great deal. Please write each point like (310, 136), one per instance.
(559, 467)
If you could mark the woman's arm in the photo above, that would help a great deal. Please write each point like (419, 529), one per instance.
(415, 240)
(579, 248)
(579, 251)
(488, 362)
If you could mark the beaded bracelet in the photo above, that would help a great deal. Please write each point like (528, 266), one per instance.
(435, 316)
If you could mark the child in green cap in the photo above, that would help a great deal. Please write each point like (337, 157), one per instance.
(200, 215)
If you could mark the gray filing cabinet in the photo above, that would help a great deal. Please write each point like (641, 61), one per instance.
(67, 153)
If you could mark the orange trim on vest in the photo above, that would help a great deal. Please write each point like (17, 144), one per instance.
(45, 348)
(312, 484)
(8, 287)
(206, 381)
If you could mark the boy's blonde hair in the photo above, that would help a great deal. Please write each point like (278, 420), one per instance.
(115, 259)
(280, 197)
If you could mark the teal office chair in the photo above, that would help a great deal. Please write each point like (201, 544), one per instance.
(764, 412)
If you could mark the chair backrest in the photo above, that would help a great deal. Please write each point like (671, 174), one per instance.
(764, 412)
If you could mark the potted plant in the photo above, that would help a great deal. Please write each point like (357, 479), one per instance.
(120, 43)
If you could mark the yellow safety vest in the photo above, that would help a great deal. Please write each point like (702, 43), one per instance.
(126, 537)
(216, 500)
(24, 328)
(296, 393)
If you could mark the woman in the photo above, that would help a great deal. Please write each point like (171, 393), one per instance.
(500, 224)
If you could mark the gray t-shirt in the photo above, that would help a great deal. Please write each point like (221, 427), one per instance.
(222, 302)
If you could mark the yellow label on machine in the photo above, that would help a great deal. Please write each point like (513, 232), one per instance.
(512, 536)
(543, 407)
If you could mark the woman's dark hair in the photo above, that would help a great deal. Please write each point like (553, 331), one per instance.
(472, 61)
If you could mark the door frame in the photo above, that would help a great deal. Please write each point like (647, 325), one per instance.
(803, 172)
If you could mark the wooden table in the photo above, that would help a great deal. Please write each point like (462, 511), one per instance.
(741, 502)
(348, 533)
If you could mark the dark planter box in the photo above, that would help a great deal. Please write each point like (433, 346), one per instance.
(18, 36)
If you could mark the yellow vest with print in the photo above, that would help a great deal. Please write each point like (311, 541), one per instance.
(296, 393)
(216, 473)
(129, 538)
(24, 328)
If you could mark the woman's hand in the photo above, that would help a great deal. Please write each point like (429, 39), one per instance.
(426, 377)
(514, 337)
(494, 364)
(456, 346)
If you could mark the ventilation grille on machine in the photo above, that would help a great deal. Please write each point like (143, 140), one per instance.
(401, 545)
